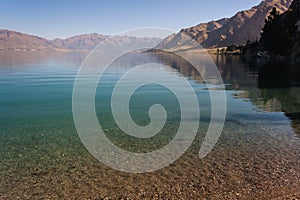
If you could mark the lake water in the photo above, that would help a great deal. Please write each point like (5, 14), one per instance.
(257, 155)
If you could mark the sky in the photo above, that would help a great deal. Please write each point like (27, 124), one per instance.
(64, 18)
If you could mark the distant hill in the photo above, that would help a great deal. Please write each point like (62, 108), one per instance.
(237, 30)
(243, 26)
(12, 40)
(80, 42)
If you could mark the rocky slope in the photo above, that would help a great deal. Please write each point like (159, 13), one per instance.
(12, 40)
(80, 42)
(243, 26)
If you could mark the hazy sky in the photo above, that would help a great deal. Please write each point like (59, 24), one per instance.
(64, 18)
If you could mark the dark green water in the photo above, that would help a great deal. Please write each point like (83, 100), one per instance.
(38, 138)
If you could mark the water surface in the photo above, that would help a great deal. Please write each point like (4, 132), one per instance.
(41, 155)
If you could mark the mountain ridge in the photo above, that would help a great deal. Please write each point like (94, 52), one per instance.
(243, 26)
(17, 41)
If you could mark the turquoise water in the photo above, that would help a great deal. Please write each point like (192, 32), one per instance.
(40, 150)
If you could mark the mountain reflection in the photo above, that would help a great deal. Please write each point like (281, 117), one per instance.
(271, 86)
(20, 58)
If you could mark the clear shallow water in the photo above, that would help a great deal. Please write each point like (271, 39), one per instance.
(257, 155)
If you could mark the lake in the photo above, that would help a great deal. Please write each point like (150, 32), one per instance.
(41, 155)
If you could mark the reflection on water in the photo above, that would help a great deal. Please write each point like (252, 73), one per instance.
(20, 58)
(41, 155)
(271, 86)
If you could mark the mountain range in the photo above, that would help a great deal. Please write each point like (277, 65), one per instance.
(242, 27)
(12, 40)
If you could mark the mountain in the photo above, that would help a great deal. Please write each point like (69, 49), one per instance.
(243, 26)
(12, 40)
(80, 42)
